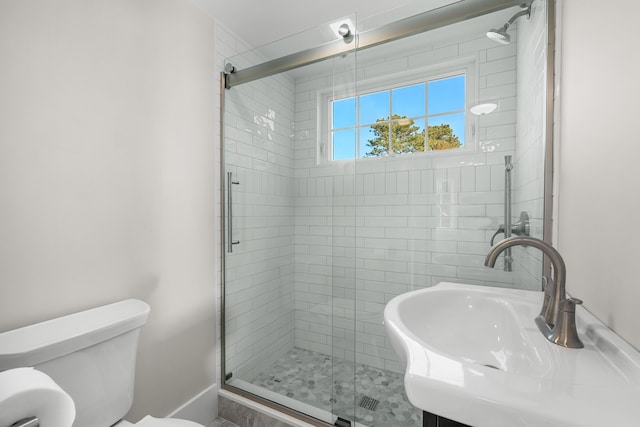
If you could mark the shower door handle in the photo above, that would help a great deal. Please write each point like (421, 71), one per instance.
(27, 422)
(230, 184)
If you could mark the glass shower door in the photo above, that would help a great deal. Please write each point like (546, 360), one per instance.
(289, 292)
(259, 229)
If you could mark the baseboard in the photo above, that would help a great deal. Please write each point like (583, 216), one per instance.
(202, 408)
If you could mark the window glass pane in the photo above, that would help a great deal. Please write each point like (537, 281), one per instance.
(446, 131)
(446, 95)
(344, 144)
(402, 120)
(344, 113)
(373, 107)
(374, 140)
(409, 101)
(407, 136)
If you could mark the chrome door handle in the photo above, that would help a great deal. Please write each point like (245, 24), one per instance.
(230, 184)
(27, 422)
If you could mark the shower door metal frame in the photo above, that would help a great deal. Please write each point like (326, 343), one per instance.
(547, 231)
(375, 37)
(458, 11)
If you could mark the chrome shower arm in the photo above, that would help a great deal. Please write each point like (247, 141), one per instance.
(524, 12)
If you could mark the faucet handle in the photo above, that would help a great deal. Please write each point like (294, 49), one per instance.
(499, 231)
(569, 305)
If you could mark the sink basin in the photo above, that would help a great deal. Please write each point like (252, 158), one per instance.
(473, 354)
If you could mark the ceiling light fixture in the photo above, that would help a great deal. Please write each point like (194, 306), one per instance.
(342, 28)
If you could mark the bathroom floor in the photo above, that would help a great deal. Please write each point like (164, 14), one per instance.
(221, 422)
(316, 379)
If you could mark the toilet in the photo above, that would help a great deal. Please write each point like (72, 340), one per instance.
(91, 356)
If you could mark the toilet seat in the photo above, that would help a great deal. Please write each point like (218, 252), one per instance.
(150, 421)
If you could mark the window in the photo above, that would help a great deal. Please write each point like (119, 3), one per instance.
(426, 116)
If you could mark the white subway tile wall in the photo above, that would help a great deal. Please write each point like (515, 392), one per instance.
(378, 227)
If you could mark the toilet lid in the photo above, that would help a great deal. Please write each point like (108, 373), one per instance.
(150, 421)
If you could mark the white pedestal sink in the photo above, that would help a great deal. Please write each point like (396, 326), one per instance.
(473, 354)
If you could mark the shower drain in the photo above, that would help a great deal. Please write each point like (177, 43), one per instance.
(369, 403)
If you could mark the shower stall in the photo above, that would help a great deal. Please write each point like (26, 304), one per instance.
(354, 170)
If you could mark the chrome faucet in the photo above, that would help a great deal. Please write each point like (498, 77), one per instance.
(557, 319)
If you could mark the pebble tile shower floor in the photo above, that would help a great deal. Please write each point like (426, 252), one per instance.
(309, 377)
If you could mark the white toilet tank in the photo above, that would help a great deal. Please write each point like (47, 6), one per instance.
(91, 355)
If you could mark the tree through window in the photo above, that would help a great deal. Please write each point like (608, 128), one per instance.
(406, 137)
(400, 120)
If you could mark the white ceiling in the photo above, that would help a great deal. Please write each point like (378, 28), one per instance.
(259, 22)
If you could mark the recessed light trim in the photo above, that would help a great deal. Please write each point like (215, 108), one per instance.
(335, 27)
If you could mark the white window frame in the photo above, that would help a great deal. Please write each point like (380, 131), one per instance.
(468, 66)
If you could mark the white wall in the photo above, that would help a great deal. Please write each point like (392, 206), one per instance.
(107, 172)
(599, 148)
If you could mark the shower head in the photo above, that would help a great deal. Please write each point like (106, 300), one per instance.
(500, 35)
